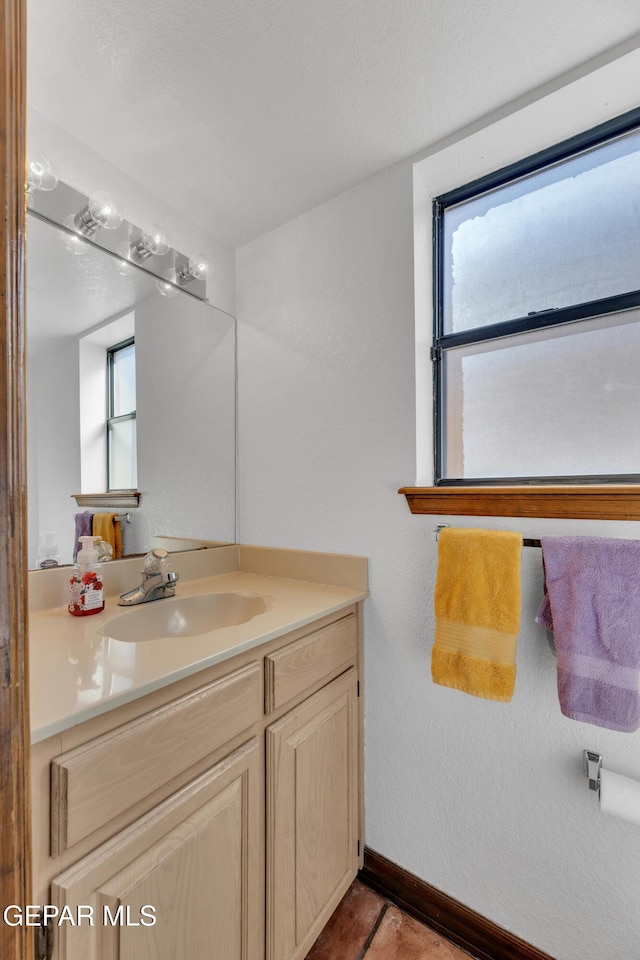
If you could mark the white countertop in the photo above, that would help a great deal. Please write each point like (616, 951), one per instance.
(78, 672)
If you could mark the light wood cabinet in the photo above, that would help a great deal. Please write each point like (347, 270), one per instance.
(194, 864)
(100, 779)
(227, 808)
(312, 816)
(318, 657)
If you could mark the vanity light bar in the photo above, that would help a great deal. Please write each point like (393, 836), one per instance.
(55, 206)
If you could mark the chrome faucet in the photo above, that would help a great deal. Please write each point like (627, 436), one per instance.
(156, 583)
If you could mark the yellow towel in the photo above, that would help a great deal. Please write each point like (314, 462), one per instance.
(477, 606)
(108, 528)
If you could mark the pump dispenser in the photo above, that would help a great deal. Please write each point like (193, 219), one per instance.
(86, 589)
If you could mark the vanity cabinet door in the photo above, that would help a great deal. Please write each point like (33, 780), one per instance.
(194, 862)
(312, 816)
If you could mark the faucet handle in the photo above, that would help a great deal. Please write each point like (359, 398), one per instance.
(155, 561)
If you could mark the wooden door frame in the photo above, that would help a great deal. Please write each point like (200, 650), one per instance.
(16, 943)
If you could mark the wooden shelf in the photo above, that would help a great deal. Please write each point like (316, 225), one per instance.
(119, 499)
(586, 502)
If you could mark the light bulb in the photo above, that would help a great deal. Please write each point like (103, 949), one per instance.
(101, 211)
(72, 241)
(155, 242)
(105, 210)
(196, 268)
(40, 175)
(166, 289)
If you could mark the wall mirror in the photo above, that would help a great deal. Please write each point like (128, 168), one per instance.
(78, 306)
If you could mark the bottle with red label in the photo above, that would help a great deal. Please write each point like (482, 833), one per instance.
(86, 589)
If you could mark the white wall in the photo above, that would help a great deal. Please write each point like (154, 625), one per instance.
(486, 801)
(53, 465)
(185, 386)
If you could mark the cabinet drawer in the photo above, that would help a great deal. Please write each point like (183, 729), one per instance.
(99, 780)
(321, 655)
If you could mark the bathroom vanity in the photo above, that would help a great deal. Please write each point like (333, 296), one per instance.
(202, 795)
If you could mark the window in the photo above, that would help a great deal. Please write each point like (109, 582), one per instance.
(537, 317)
(121, 416)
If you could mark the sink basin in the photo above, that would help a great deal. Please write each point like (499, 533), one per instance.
(185, 616)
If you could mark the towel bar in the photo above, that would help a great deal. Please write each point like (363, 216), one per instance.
(123, 517)
(526, 541)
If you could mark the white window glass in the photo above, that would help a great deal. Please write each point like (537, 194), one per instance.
(122, 455)
(124, 381)
(121, 419)
(558, 402)
(563, 235)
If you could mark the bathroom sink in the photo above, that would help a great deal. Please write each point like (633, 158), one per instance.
(184, 616)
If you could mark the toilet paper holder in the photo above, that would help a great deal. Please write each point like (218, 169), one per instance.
(591, 766)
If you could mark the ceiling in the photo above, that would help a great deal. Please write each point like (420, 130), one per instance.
(246, 113)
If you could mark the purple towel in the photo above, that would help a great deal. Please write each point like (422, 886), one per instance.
(592, 604)
(84, 528)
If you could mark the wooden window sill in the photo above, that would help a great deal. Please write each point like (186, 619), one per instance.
(607, 502)
(116, 499)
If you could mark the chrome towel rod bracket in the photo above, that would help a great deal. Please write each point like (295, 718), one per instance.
(591, 766)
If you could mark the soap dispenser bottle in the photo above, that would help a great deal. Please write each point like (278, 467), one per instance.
(86, 589)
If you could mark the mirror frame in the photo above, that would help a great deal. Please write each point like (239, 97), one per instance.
(16, 943)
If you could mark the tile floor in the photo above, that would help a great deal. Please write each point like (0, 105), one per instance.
(365, 926)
